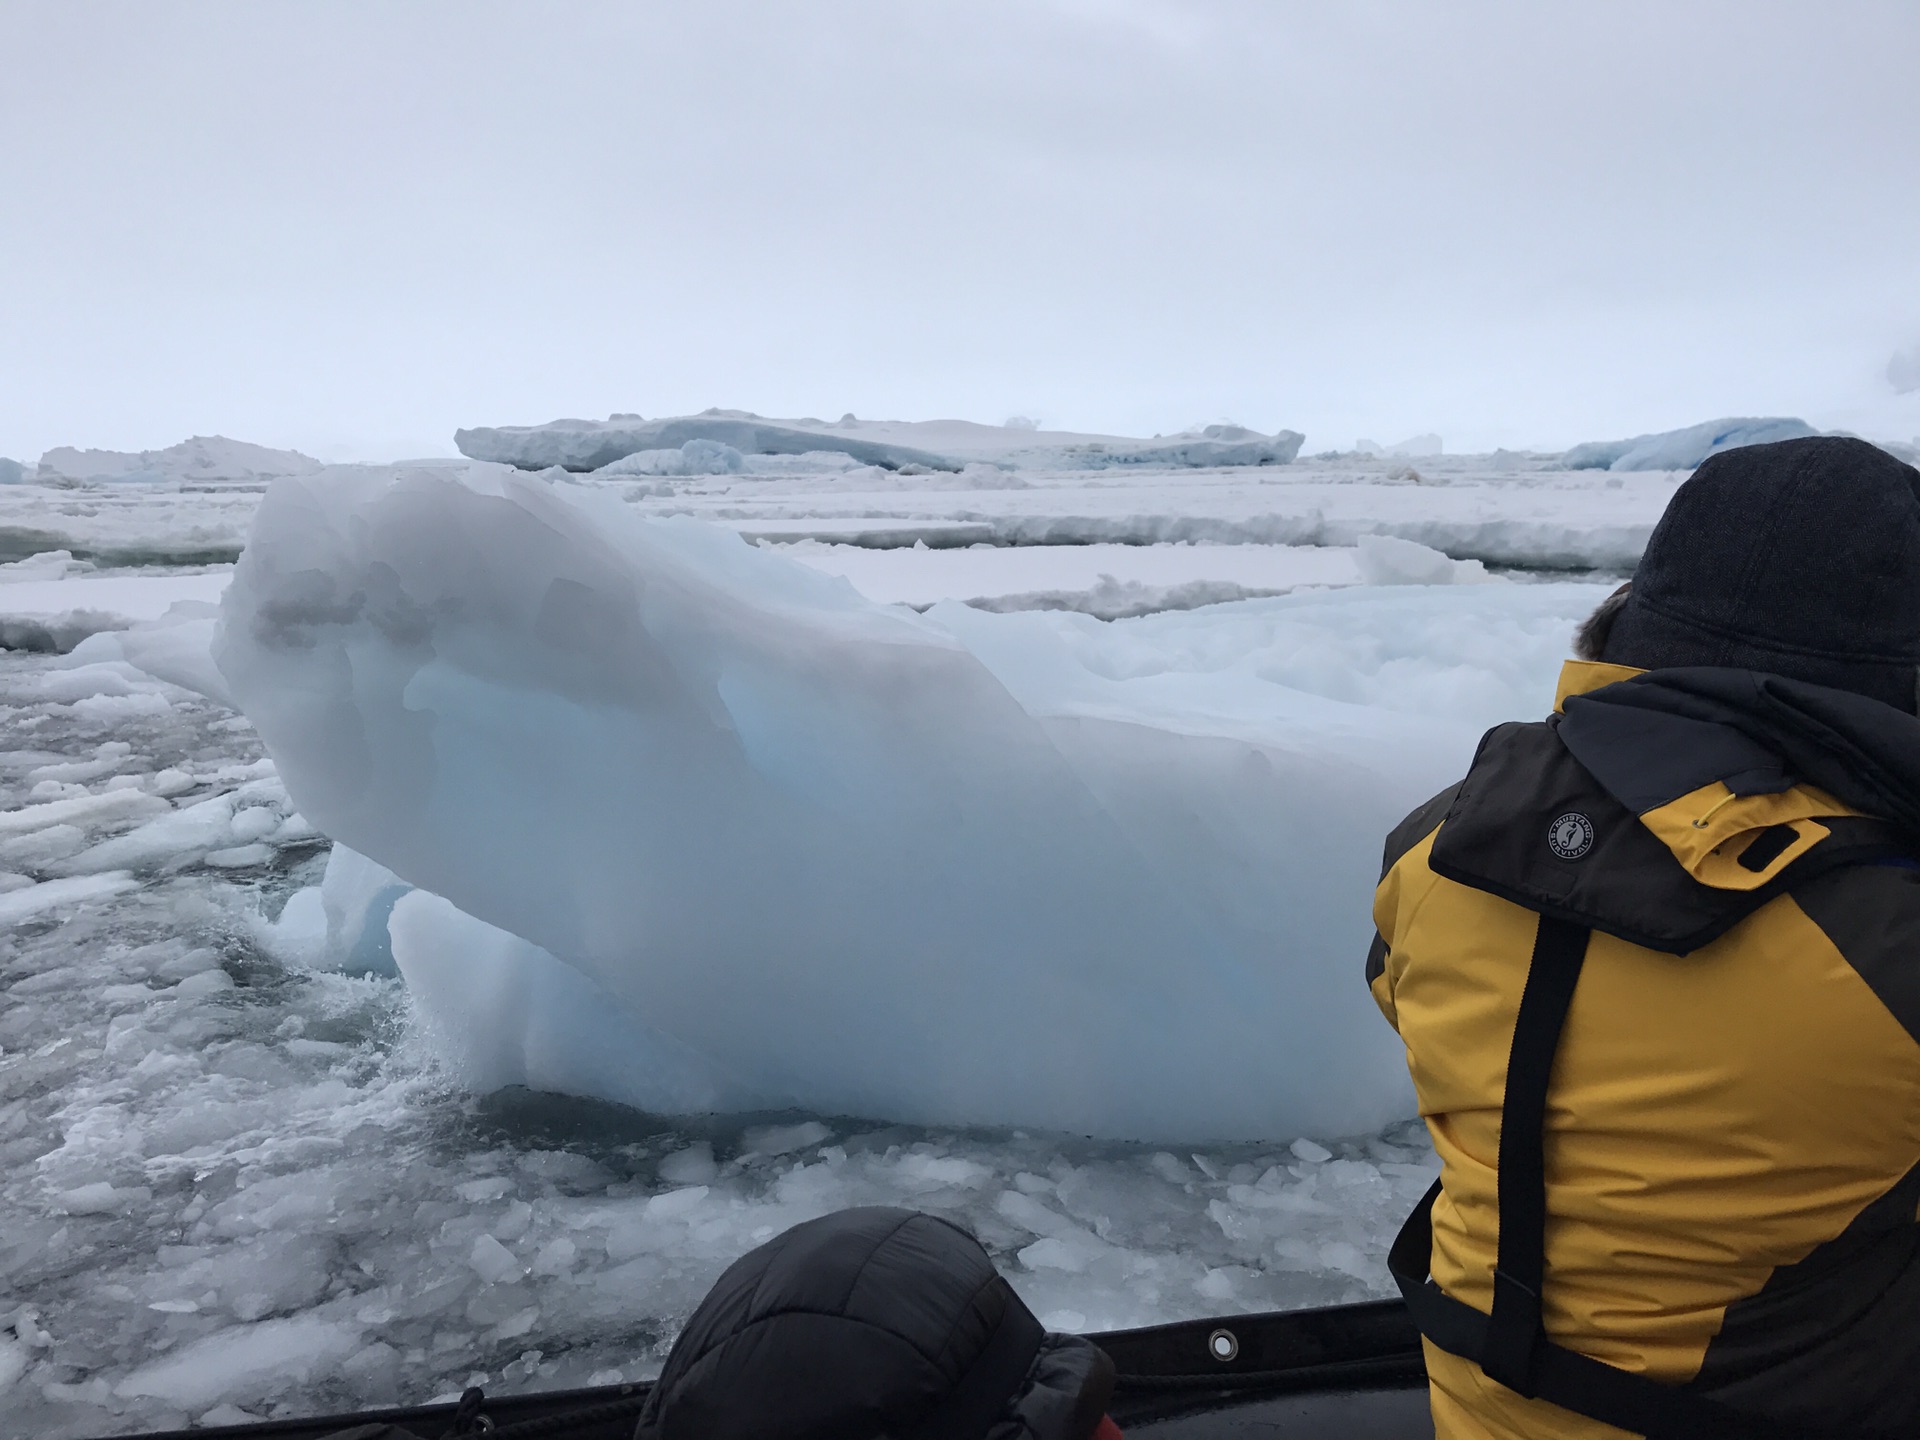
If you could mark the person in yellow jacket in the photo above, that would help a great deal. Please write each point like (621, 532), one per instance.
(1656, 964)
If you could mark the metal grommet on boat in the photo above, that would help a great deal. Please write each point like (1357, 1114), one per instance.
(1224, 1346)
(468, 1416)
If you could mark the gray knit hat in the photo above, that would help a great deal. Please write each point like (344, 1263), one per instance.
(1800, 558)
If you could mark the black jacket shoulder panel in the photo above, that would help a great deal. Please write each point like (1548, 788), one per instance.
(1835, 1336)
(1376, 957)
(1527, 797)
(1404, 836)
(1871, 913)
(1416, 827)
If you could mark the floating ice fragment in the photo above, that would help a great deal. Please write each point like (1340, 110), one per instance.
(691, 1166)
(1216, 1284)
(171, 782)
(239, 857)
(292, 831)
(80, 771)
(13, 1363)
(227, 1414)
(943, 1171)
(244, 1361)
(52, 894)
(1391, 560)
(92, 811)
(515, 1325)
(207, 982)
(514, 1222)
(1059, 1254)
(1344, 1256)
(785, 1139)
(1309, 1151)
(118, 709)
(175, 838)
(492, 1261)
(675, 1204)
(556, 1257)
(66, 686)
(254, 823)
(101, 1198)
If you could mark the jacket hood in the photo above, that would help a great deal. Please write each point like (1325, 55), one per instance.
(1712, 759)
(1664, 807)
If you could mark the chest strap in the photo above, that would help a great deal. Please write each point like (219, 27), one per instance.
(1510, 1345)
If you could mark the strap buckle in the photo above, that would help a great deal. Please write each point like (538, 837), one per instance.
(1513, 1334)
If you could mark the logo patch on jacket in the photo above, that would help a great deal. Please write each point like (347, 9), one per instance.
(1570, 836)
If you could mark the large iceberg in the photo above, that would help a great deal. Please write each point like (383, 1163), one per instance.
(1682, 449)
(797, 848)
(582, 445)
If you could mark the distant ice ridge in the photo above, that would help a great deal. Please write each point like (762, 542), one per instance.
(1682, 449)
(594, 444)
(952, 868)
(695, 457)
(206, 459)
(1417, 447)
(912, 446)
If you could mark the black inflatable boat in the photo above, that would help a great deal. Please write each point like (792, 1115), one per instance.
(1346, 1372)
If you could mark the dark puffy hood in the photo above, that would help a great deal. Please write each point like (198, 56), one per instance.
(873, 1323)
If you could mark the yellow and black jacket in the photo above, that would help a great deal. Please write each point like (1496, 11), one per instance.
(1731, 1133)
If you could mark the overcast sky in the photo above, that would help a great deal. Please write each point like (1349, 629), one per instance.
(351, 228)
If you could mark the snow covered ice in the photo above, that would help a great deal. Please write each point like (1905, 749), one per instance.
(250, 1170)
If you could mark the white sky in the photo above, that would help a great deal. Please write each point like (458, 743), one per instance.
(351, 228)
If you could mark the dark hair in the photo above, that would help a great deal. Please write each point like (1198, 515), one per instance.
(1590, 640)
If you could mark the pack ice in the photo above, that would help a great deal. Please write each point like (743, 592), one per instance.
(710, 831)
